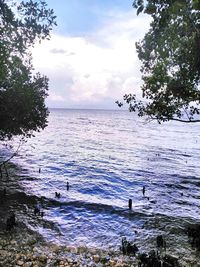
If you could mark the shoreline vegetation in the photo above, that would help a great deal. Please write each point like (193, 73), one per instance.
(21, 246)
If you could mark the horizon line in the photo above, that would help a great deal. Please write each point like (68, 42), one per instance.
(103, 109)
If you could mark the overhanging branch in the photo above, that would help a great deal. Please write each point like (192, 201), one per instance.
(12, 156)
(174, 119)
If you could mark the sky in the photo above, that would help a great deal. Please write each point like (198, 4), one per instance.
(91, 60)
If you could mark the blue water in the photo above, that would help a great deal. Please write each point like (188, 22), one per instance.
(107, 157)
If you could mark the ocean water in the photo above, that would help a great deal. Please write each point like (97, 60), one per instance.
(107, 157)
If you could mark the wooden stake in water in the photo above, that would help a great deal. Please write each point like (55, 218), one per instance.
(130, 204)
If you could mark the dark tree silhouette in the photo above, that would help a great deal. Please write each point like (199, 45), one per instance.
(22, 93)
(170, 59)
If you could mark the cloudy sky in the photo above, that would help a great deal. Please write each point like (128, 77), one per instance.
(91, 59)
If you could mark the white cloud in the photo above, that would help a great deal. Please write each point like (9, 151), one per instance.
(55, 97)
(90, 69)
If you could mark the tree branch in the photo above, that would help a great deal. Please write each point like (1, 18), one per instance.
(179, 120)
(13, 155)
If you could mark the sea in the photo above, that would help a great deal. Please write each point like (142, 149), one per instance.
(107, 157)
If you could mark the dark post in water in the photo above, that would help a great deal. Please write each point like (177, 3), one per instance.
(130, 204)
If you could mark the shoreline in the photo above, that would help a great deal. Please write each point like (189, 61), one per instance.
(27, 248)
(23, 247)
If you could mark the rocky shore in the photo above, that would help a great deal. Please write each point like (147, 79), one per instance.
(22, 247)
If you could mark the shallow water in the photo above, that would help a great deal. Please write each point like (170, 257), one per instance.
(107, 157)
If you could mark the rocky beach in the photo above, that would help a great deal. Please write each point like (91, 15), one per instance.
(22, 247)
(25, 248)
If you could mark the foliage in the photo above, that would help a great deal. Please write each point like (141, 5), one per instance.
(22, 93)
(170, 59)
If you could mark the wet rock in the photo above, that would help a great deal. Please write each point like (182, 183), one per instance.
(105, 259)
(111, 263)
(149, 260)
(20, 262)
(10, 222)
(35, 256)
(3, 253)
(28, 264)
(69, 260)
(42, 258)
(160, 241)
(194, 235)
(170, 261)
(31, 242)
(96, 258)
(93, 251)
(74, 249)
(128, 247)
(119, 263)
(82, 250)
(35, 249)
(29, 256)
(13, 242)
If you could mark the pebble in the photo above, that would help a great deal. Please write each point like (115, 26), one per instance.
(73, 249)
(82, 250)
(112, 263)
(35, 249)
(43, 258)
(20, 263)
(19, 252)
(13, 242)
(27, 264)
(96, 258)
(119, 263)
